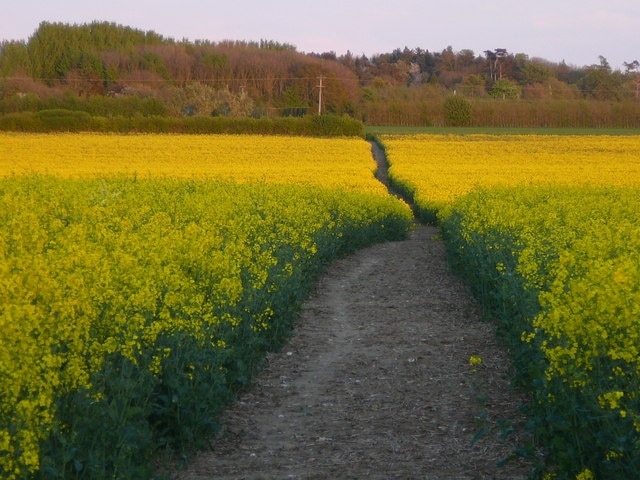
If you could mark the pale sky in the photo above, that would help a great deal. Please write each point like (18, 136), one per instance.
(576, 31)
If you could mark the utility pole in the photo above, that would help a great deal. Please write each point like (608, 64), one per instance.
(320, 86)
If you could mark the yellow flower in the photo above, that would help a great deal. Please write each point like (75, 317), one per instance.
(475, 360)
(586, 474)
(611, 455)
(610, 400)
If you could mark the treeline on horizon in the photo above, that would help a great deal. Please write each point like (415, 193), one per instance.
(109, 70)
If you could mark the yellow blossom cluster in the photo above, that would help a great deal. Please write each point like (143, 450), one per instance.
(146, 237)
(579, 248)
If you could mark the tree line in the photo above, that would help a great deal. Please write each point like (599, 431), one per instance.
(130, 72)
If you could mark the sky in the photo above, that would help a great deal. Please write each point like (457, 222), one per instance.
(575, 31)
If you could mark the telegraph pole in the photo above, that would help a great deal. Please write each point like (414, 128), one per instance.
(320, 86)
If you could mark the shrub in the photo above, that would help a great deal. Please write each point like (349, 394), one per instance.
(60, 120)
(64, 120)
(505, 89)
(457, 111)
(331, 125)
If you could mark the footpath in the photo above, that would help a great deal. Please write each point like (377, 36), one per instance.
(377, 383)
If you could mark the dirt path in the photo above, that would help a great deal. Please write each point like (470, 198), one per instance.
(376, 382)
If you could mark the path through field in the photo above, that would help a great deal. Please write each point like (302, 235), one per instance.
(376, 382)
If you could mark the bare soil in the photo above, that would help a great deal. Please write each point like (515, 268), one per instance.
(376, 382)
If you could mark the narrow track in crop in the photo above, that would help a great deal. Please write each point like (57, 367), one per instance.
(376, 382)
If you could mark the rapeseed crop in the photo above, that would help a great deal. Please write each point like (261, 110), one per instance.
(436, 169)
(343, 163)
(133, 305)
(546, 228)
(560, 267)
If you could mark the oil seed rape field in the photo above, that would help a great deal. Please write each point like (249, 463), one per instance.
(436, 169)
(142, 279)
(547, 230)
(343, 163)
